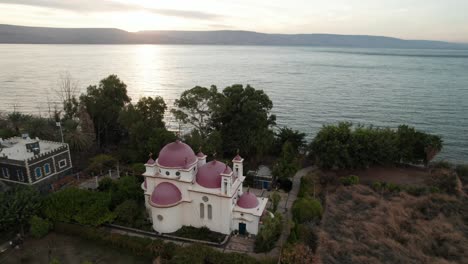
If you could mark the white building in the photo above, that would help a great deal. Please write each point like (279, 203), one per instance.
(33, 161)
(182, 189)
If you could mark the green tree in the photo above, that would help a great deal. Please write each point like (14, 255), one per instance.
(77, 139)
(306, 209)
(145, 127)
(126, 188)
(128, 213)
(242, 116)
(101, 163)
(288, 164)
(17, 206)
(294, 137)
(268, 233)
(39, 227)
(275, 199)
(104, 104)
(195, 107)
(81, 206)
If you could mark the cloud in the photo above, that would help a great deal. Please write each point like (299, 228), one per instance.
(91, 6)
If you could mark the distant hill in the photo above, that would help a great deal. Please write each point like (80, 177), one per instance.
(43, 35)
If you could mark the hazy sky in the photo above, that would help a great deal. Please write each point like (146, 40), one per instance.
(409, 19)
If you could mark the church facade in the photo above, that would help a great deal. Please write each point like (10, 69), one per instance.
(183, 189)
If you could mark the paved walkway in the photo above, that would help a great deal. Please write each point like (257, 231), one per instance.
(292, 196)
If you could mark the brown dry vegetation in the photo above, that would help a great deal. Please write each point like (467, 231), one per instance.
(360, 226)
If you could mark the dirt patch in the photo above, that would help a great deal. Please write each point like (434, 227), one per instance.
(414, 176)
(361, 226)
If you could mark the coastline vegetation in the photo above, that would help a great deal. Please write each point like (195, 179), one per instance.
(104, 128)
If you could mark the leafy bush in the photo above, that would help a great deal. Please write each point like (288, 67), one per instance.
(136, 245)
(202, 233)
(126, 188)
(196, 253)
(462, 171)
(130, 213)
(345, 146)
(285, 184)
(350, 180)
(39, 227)
(269, 233)
(275, 199)
(443, 164)
(77, 205)
(101, 163)
(446, 182)
(306, 209)
(385, 186)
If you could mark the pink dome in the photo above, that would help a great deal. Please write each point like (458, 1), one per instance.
(165, 194)
(209, 175)
(248, 200)
(200, 154)
(150, 161)
(176, 155)
(237, 158)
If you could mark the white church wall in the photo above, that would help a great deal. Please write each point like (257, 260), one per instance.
(167, 220)
(220, 212)
(251, 222)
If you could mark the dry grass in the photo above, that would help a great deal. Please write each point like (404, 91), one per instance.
(359, 226)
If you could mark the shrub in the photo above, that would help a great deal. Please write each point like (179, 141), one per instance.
(196, 253)
(462, 171)
(202, 233)
(306, 209)
(128, 212)
(39, 227)
(392, 187)
(446, 182)
(417, 191)
(350, 180)
(268, 234)
(137, 245)
(285, 184)
(77, 205)
(443, 164)
(275, 199)
(346, 146)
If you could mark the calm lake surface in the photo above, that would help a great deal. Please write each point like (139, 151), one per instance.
(309, 86)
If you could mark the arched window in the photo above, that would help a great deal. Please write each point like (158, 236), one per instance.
(47, 169)
(210, 213)
(202, 210)
(38, 172)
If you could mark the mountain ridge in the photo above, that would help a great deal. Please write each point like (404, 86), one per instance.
(47, 35)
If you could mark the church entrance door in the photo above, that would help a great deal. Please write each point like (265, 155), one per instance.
(242, 228)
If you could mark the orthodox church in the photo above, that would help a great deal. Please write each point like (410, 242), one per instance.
(182, 189)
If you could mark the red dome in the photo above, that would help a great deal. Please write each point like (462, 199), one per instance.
(176, 155)
(165, 194)
(248, 200)
(209, 175)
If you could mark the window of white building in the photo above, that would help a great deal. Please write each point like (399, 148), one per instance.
(62, 163)
(38, 172)
(20, 175)
(47, 169)
(6, 173)
(202, 210)
(210, 213)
